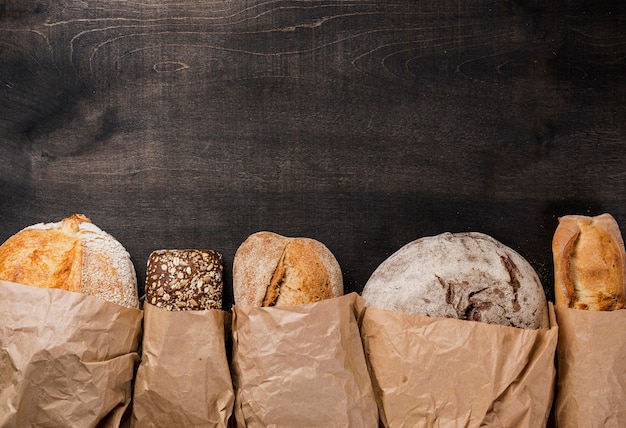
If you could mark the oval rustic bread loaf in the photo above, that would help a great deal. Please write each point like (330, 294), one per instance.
(468, 276)
(74, 255)
(273, 270)
(589, 263)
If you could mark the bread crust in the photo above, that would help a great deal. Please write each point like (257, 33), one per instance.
(273, 270)
(589, 263)
(468, 276)
(184, 279)
(254, 263)
(73, 255)
(47, 260)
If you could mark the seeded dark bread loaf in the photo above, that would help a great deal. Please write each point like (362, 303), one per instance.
(184, 279)
(468, 276)
(589, 263)
(273, 270)
(74, 255)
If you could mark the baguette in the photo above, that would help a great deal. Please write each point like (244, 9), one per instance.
(589, 263)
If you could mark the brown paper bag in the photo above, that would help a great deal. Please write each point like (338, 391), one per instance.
(440, 372)
(591, 363)
(184, 376)
(302, 366)
(66, 359)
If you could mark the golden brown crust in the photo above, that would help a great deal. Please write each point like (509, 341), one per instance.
(72, 255)
(273, 270)
(589, 263)
(304, 277)
(45, 259)
(278, 277)
(562, 247)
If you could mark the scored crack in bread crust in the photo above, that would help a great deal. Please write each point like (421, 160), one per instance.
(468, 276)
(73, 255)
(589, 263)
(273, 270)
(49, 258)
(187, 279)
(300, 276)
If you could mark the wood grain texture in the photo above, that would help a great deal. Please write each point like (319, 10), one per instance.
(363, 124)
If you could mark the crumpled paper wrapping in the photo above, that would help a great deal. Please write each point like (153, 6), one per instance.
(66, 359)
(591, 362)
(184, 376)
(302, 366)
(440, 372)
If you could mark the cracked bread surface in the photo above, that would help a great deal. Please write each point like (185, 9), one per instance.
(74, 255)
(274, 270)
(468, 276)
(589, 263)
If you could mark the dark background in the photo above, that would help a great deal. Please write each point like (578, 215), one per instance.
(363, 124)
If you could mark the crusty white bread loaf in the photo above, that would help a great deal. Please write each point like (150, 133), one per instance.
(184, 279)
(273, 270)
(589, 263)
(469, 276)
(74, 255)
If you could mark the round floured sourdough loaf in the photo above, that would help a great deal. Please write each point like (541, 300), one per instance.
(74, 255)
(273, 270)
(468, 276)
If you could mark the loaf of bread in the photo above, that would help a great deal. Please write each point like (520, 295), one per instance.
(589, 263)
(273, 270)
(74, 255)
(187, 279)
(468, 276)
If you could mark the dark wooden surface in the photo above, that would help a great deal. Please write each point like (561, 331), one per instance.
(363, 124)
